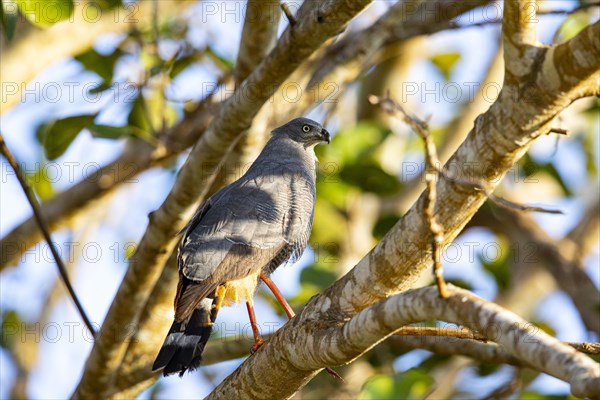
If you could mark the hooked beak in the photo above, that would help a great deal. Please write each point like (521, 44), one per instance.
(325, 135)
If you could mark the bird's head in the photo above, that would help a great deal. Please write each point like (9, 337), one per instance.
(305, 131)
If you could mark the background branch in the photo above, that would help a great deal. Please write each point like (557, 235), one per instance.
(62, 270)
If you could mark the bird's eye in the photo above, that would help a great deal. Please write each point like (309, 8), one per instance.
(306, 128)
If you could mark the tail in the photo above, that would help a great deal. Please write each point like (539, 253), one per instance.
(183, 347)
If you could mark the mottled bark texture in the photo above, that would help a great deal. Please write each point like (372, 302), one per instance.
(305, 345)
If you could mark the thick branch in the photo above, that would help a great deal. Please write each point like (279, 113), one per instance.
(317, 22)
(316, 345)
(258, 36)
(519, 37)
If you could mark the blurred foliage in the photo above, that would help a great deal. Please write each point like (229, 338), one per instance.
(412, 384)
(101, 64)
(498, 263)
(41, 183)
(44, 13)
(445, 63)
(8, 19)
(11, 329)
(57, 135)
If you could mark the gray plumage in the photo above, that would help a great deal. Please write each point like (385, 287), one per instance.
(248, 228)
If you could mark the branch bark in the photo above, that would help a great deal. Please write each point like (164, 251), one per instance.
(303, 348)
(317, 22)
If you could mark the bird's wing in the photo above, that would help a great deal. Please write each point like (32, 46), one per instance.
(238, 233)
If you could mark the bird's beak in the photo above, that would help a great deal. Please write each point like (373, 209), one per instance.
(325, 135)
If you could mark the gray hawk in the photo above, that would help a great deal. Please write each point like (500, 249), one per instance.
(240, 235)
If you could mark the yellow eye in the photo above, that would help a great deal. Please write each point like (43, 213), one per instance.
(306, 128)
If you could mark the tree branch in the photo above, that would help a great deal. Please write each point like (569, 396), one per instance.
(519, 38)
(317, 21)
(43, 227)
(258, 36)
(300, 349)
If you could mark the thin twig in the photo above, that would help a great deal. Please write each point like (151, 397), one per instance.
(431, 174)
(459, 333)
(559, 131)
(392, 107)
(45, 231)
(466, 333)
(495, 21)
(288, 14)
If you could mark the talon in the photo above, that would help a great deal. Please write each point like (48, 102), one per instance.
(257, 344)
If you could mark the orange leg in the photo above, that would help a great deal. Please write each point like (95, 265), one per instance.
(290, 313)
(258, 341)
(288, 310)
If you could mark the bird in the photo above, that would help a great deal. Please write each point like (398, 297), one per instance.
(238, 237)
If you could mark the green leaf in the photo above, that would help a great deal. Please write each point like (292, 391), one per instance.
(40, 182)
(100, 64)
(318, 275)
(352, 145)
(412, 384)
(531, 167)
(445, 63)
(370, 178)
(8, 18)
(495, 259)
(572, 26)
(46, 12)
(181, 64)
(59, 134)
(383, 225)
(109, 132)
(11, 329)
(138, 117)
(108, 4)
(486, 369)
(329, 223)
(218, 59)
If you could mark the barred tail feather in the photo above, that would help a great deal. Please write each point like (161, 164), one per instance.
(184, 344)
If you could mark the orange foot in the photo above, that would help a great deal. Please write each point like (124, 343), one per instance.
(257, 343)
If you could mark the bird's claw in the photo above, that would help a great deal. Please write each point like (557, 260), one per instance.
(257, 344)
